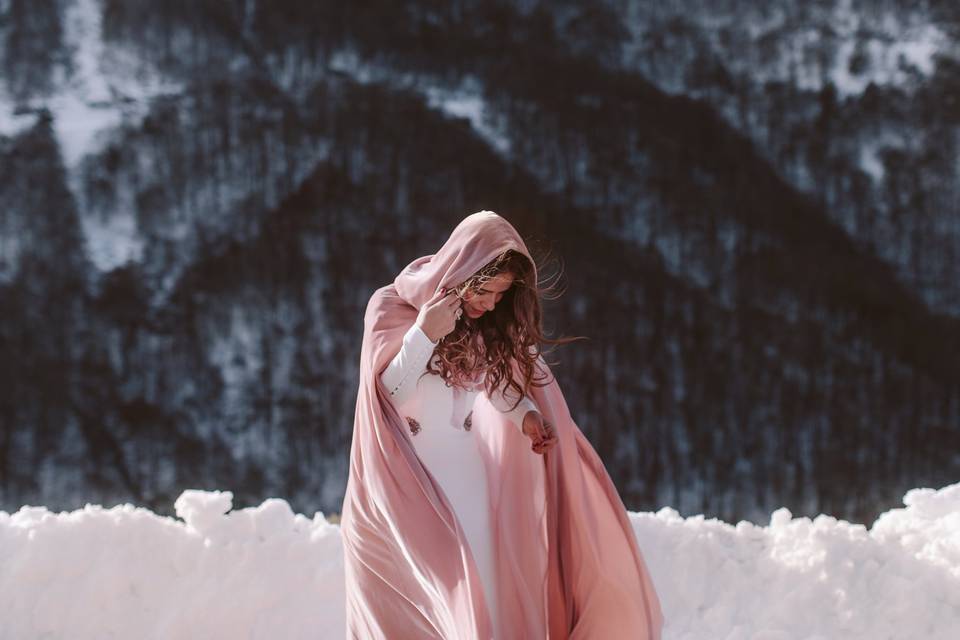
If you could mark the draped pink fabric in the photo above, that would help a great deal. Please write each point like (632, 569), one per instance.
(568, 563)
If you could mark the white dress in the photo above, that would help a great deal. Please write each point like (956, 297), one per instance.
(439, 420)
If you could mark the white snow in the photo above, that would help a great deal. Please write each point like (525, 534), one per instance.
(467, 101)
(870, 162)
(104, 90)
(82, 107)
(101, 90)
(890, 60)
(348, 62)
(83, 103)
(12, 122)
(112, 240)
(462, 101)
(265, 572)
(808, 47)
(126, 572)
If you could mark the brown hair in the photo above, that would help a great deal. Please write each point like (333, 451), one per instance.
(511, 332)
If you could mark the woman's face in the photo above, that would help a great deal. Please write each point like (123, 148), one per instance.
(477, 303)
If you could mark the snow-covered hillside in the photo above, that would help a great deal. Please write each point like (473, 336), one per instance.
(265, 572)
(834, 94)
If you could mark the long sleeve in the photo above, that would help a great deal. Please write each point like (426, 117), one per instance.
(502, 403)
(400, 376)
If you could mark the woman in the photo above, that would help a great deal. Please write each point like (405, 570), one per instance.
(475, 508)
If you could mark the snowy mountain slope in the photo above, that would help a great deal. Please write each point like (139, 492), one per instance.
(853, 102)
(186, 297)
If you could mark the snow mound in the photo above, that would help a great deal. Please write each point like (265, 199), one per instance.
(266, 572)
(809, 579)
(126, 572)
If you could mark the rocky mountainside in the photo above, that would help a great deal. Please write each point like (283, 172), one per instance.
(199, 198)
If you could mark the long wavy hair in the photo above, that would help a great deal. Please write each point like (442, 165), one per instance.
(511, 333)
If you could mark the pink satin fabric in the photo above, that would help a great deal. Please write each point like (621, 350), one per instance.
(568, 563)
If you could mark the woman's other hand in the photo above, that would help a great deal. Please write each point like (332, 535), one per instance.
(540, 432)
(439, 315)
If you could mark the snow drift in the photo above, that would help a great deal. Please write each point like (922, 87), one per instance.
(265, 572)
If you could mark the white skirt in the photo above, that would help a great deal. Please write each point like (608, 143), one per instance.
(451, 456)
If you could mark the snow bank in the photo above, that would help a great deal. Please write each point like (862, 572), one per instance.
(819, 579)
(265, 572)
(126, 572)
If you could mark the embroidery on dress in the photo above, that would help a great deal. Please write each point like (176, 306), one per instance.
(462, 396)
(414, 425)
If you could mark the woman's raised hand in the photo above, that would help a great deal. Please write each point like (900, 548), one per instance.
(439, 315)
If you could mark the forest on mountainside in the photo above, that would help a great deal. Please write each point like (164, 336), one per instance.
(759, 238)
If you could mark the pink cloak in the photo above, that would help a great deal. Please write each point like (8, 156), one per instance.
(567, 559)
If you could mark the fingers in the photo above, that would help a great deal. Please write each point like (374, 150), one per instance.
(442, 296)
(543, 434)
(544, 446)
(546, 430)
(444, 293)
(546, 438)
